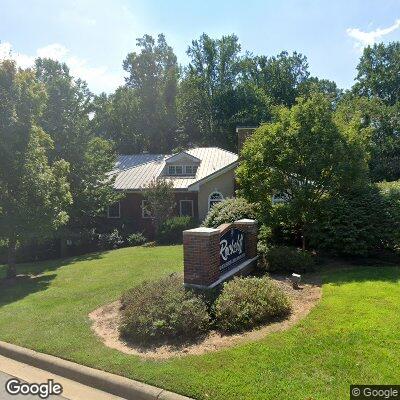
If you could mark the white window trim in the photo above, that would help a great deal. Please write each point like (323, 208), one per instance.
(210, 199)
(172, 170)
(143, 213)
(119, 211)
(180, 207)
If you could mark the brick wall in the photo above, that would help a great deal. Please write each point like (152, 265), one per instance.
(131, 211)
(201, 251)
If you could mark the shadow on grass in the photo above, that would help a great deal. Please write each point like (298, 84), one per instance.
(40, 267)
(22, 286)
(342, 272)
(34, 277)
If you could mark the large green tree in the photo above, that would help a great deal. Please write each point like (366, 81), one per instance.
(65, 118)
(153, 77)
(379, 72)
(34, 191)
(303, 155)
(378, 124)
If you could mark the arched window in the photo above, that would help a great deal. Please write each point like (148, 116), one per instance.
(214, 198)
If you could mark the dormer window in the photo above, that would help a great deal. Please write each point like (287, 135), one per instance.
(179, 170)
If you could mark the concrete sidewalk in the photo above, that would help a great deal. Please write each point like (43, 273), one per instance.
(71, 390)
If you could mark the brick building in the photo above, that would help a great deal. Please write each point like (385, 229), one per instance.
(201, 177)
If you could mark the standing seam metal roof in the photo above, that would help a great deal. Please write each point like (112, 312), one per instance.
(136, 171)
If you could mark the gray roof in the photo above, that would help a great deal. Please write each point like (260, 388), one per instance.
(136, 171)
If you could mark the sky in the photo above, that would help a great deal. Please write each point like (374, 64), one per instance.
(94, 36)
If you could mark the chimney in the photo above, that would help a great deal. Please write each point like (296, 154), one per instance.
(243, 132)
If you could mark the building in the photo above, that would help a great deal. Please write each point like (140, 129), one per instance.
(201, 177)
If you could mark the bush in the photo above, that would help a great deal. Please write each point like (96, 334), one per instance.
(162, 310)
(112, 240)
(285, 259)
(391, 193)
(171, 230)
(230, 210)
(136, 239)
(263, 244)
(247, 302)
(355, 224)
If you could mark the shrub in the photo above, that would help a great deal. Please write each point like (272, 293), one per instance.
(112, 240)
(263, 244)
(162, 310)
(354, 224)
(391, 193)
(136, 239)
(288, 259)
(230, 210)
(171, 230)
(247, 302)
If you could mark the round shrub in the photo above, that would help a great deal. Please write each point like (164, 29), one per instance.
(171, 230)
(230, 210)
(161, 310)
(247, 302)
(288, 259)
(111, 240)
(136, 239)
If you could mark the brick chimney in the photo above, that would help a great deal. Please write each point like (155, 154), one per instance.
(243, 132)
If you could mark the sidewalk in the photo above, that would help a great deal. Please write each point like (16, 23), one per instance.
(71, 390)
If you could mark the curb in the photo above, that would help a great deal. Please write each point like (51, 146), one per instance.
(105, 381)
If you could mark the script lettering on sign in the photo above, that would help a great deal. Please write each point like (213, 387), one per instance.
(232, 249)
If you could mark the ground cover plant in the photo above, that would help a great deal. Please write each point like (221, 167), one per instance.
(350, 337)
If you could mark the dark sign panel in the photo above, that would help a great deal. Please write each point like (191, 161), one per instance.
(232, 249)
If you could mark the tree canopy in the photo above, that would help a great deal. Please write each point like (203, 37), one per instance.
(34, 195)
(301, 156)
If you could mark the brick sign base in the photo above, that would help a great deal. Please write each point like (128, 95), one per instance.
(206, 249)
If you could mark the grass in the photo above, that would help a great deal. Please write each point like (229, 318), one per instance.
(351, 337)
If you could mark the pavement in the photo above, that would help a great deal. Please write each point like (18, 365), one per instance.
(71, 390)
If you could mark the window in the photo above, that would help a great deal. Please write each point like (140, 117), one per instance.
(214, 198)
(145, 212)
(190, 169)
(182, 170)
(114, 210)
(278, 198)
(186, 208)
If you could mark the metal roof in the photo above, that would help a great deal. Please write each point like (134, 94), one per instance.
(136, 171)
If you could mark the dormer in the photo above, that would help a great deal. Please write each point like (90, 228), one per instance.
(181, 164)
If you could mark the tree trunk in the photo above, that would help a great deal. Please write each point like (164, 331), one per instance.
(303, 242)
(12, 249)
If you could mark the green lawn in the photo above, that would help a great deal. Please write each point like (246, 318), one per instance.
(352, 336)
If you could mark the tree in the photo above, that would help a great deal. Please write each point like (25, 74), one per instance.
(280, 75)
(116, 119)
(379, 73)
(153, 76)
(207, 93)
(159, 201)
(34, 192)
(377, 124)
(315, 85)
(65, 118)
(303, 156)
